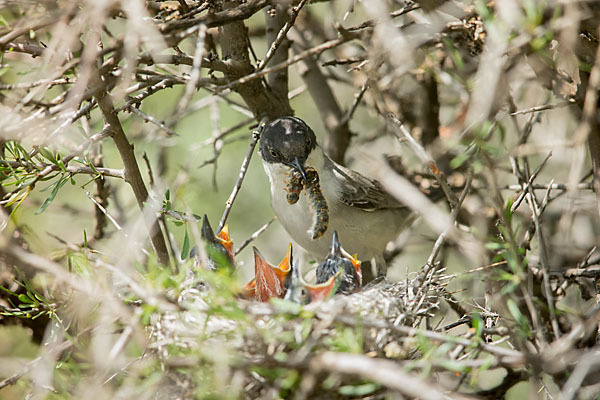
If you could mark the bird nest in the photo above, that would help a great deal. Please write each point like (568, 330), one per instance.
(287, 335)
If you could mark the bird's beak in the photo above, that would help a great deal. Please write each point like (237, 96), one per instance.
(225, 240)
(325, 290)
(221, 238)
(297, 165)
(356, 263)
(207, 232)
(267, 284)
(335, 246)
(285, 266)
(249, 290)
(294, 292)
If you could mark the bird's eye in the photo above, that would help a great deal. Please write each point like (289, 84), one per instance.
(273, 153)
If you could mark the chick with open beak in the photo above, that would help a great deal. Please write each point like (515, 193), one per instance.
(339, 261)
(219, 247)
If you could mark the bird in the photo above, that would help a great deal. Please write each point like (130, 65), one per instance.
(269, 280)
(219, 247)
(359, 209)
(339, 260)
(301, 292)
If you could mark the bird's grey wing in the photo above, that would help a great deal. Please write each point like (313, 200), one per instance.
(362, 192)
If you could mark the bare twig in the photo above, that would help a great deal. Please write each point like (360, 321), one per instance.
(383, 371)
(281, 35)
(544, 261)
(527, 186)
(104, 211)
(425, 159)
(357, 99)
(243, 169)
(190, 86)
(397, 13)
(541, 108)
(132, 172)
(292, 60)
(453, 215)
(153, 120)
(254, 236)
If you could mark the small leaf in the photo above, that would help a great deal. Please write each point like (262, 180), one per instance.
(359, 390)
(185, 249)
(25, 299)
(50, 198)
(47, 154)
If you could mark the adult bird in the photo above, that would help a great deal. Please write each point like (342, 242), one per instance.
(364, 215)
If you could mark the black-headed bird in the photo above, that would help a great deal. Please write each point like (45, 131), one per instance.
(357, 207)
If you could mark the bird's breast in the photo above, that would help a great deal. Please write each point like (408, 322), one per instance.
(365, 233)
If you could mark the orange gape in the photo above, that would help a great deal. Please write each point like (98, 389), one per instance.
(269, 280)
(225, 240)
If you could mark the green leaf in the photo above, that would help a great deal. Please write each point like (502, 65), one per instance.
(185, 249)
(61, 165)
(477, 325)
(53, 194)
(359, 390)
(25, 299)
(47, 154)
(8, 291)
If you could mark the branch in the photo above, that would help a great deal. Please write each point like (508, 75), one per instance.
(211, 20)
(254, 236)
(453, 215)
(384, 371)
(338, 138)
(234, 41)
(275, 22)
(422, 154)
(281, 35)
(293, 60)
(243, 169)
(132, 172)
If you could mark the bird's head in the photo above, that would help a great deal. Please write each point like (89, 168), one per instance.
(339, 260)
(301, 292)
(288, 141)
(219, 247)
(269, 281)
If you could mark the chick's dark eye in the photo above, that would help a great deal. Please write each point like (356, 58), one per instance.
(273, 153)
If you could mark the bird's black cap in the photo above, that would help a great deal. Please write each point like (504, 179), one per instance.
(287, 140)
